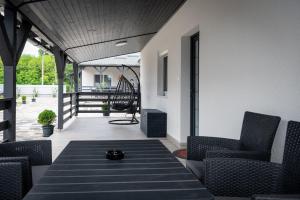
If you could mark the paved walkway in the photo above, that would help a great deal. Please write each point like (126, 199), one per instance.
(27, 127)
(27, 114)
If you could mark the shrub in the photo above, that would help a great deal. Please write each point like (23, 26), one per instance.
(35, 92)
(68, 88)
(47, 117)
(23, 98)
(18, 92)
(54, 92)
(105, 107)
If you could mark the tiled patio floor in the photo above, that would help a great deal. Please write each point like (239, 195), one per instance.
(98, 128)
(83, 127)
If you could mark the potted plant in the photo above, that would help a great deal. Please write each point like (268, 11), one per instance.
(54, 92)
(34, 95)
(46, 119)
(105, 109)
(33, 99)
(23, 99)
(35, 92)
(18, 92)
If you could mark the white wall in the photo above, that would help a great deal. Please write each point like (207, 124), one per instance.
(43, 90)
(249, 60)
(88, 75)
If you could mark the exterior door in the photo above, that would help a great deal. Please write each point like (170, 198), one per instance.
(194, 85)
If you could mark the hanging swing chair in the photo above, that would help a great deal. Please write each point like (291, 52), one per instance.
(124, 99)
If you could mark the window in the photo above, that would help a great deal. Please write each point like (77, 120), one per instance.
(97, 79)
(162, 75)
(102, 81)
(165, 73)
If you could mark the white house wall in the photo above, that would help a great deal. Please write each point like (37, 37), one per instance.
(88, 75)
(249, 60)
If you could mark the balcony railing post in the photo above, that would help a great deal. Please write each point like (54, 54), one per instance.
(71, 100)
(60, 60)
(109, 96)
(12, 42)
(76, 103)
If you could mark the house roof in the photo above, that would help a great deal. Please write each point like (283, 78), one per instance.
(129, 60)
(88, 30)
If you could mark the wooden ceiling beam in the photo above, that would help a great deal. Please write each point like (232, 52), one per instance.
(117, 39)
(29, 2)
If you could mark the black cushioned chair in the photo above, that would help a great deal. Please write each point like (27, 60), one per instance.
(20, 164)
(244, 177)
(257, 135)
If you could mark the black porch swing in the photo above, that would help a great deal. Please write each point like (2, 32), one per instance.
(124, 99)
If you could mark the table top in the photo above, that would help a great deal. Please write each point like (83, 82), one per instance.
(149, 171)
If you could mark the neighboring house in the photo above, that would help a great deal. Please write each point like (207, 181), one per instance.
(104, 74)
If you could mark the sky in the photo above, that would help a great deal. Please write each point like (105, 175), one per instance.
(30, 49)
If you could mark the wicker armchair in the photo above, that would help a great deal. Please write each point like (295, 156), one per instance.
(10, 181)
(257, 135)
(276, 197)
(244, 177)
(25, 155)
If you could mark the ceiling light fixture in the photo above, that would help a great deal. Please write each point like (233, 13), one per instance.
(121, 43)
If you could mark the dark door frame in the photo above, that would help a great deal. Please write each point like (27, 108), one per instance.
(193, 40)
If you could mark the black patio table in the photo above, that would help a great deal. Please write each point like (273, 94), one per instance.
(148, 172)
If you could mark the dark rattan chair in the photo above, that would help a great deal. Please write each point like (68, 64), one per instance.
(244, 177)
(11, 181)
(26, 158)
(257, 135)
(124, 99)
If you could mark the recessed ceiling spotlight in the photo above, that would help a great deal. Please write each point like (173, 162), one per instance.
(121, 43)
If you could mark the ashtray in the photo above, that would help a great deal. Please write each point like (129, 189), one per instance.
(115, 155)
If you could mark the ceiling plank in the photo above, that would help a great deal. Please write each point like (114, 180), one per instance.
(88, 29)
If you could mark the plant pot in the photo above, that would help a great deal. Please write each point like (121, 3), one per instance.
(33, 100)
(23, 102)
(106, 114)
(47, 130)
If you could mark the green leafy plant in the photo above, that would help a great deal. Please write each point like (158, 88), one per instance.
(47, 117)
(54, 92)
(103, 85)
(68, 88)
(105, 107)
(35, 93)
(23, 98)
(18, 92)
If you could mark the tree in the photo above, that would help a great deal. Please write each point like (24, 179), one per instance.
(29, 70)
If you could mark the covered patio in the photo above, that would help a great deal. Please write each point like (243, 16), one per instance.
(218, 78)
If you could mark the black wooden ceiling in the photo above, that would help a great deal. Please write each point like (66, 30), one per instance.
(88, 29)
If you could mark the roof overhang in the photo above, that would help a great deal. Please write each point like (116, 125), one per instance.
(88, 30)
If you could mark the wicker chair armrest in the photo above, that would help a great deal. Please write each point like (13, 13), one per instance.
(198, 145)
(255, 155)
(11, 181)
(241, 177)
(25, 169)
(276, 197)
(38, 151)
